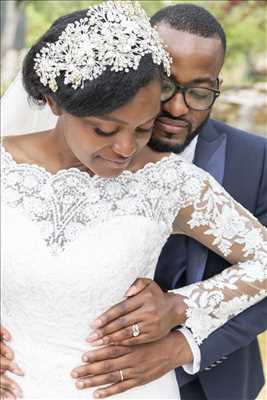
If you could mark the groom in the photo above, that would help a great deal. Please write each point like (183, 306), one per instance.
(229, 367)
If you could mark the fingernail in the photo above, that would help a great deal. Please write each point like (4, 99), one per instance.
(96, 323)
(74, 374)
(85, 358)
(93, 337)
(80, 385)
(131, 292)
(16, 369)
(96, 395)
(99, 342)
(6, 337)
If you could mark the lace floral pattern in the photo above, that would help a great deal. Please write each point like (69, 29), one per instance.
(234, 233)
(64, 204)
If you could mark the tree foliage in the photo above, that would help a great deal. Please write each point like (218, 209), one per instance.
(41, 14)
(244, 21)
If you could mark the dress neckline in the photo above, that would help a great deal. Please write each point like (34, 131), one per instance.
(49, 174)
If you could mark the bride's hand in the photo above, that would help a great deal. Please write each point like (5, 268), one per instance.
(8, 388)
(6, 354)
(146, 315)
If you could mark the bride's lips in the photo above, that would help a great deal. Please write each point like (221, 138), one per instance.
(118, 163)
(171, 126)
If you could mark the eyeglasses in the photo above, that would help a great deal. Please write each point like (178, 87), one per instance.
(195, 98)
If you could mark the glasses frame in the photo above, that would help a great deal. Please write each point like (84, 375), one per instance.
(182, 89)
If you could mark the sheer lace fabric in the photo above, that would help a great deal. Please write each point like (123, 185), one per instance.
(66, 203)
(73, 244)
(223, 225)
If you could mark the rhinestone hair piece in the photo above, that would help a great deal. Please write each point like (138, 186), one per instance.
(115, 35)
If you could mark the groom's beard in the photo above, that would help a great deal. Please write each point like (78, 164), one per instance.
(162, 147)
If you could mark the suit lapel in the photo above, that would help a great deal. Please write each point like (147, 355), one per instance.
(210, 156)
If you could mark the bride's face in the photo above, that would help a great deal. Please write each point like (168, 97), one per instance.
(108, 144)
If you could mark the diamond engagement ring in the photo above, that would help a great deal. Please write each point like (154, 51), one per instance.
(135, 330)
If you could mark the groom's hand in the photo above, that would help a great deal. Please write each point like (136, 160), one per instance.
(123, 368)
(146, 315)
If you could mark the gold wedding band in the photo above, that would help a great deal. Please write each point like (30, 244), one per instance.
(135, 330)
(121, 374)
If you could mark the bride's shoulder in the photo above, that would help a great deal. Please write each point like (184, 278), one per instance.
(21, 147)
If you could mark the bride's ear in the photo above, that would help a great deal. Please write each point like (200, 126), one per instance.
(56, 110)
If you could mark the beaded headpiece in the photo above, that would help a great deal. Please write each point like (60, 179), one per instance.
(114, 34)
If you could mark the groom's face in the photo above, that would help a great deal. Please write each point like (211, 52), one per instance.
(197, 61)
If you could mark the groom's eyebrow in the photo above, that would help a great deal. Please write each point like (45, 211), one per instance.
(200, 81)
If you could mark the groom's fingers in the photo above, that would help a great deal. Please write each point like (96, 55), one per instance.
(117, 311)
(105, 353)
(105, 379)
(98, 368)
(85, 383)
(137, 287)
(115, 389)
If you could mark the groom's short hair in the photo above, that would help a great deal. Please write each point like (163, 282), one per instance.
(190, 18)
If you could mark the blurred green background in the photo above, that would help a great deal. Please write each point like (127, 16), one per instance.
(244, 22)
(244, 100)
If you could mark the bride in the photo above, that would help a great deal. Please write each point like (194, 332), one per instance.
(87, 206)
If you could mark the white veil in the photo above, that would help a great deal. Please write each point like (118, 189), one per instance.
(18, 116)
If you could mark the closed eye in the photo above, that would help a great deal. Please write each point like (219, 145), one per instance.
(143, 130)
(99, 132)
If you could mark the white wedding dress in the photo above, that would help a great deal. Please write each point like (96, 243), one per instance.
(72, 244)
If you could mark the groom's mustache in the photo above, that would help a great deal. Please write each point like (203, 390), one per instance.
(164, 116)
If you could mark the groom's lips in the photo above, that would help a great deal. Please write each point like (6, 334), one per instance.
(172, 126)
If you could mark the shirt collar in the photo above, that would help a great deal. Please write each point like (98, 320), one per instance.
(189, 151)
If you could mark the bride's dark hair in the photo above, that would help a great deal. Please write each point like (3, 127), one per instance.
(102, 95)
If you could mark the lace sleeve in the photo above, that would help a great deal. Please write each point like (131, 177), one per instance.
(213, 218)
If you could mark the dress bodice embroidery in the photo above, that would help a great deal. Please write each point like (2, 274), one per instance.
(70, 202)
(63, 204)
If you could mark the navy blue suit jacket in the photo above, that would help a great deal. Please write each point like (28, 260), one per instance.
(231, 367)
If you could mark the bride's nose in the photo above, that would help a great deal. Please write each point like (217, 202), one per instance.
(125, 145)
